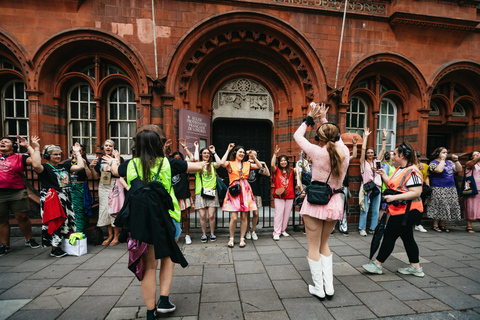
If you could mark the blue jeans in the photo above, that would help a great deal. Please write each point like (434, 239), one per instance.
(375, 203)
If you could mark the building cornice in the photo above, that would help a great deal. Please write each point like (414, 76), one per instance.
(406, 18)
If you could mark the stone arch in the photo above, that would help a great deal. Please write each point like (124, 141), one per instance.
(405, 71)
(74, 40)
(15, 51)
(289, 53)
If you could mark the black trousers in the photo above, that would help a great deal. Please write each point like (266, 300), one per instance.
(394, 230)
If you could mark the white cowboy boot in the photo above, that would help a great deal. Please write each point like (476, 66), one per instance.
(327, 271)
(316, 271)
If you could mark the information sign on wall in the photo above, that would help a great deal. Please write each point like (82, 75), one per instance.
(194, 126)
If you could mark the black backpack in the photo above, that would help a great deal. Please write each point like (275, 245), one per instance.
(94, 235)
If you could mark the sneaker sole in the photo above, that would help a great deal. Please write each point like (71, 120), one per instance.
(63, 255)
(420, 275)
(212, 240)
(33, 247)
(166, 310)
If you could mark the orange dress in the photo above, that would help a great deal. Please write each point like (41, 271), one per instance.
(245, 201)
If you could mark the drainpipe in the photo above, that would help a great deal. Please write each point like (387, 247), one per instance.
(154, 39)
(341, 41)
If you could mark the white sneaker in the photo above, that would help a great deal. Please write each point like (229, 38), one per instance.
(363, 233)
(276, 237)
(248, 236)
(285, 234)
(420, 228)
(188, 240)
(254, 236)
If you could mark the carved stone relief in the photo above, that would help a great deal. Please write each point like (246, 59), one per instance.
(242, 98)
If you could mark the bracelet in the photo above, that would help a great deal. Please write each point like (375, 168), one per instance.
(185, 147)
(214, 153)
(309, 121)
(384, 139)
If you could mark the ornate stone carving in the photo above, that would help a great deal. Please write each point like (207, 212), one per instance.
(243, 94)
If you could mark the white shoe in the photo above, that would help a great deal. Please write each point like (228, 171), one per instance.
(248, 236)
(285, 234)
(316, 271)
(420, 228)
(363, 233)
(327, 272)
(276, 237)
(188, 240)
(254, 236)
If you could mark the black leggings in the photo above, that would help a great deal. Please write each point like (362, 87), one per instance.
(394, 230)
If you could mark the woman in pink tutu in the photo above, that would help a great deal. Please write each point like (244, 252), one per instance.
(471, 204)
(243, 202)
(330, 159)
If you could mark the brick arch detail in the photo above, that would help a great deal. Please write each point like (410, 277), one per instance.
(366, 94)
(268, 85)
(51, 45)
(71, 76)
(398, 96)
(292, 46)
(108, 79)
(17, 50)
(382, 57)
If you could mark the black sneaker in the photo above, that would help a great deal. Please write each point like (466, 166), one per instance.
(165, 306)
(151, 314)
(4, 250)
(345, 233)
(370, 231)
(32, 243)
(204, 238)
(58, 253)
(213, 237)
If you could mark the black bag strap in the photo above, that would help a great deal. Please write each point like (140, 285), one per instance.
(407, 210)
(158, 172)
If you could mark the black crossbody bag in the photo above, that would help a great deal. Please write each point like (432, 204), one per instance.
(235, 189)
(320, 193)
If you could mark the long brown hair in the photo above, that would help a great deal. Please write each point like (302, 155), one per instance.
(327, 133)
(288, 164)
(148, 147)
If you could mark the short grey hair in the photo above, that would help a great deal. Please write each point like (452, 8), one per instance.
(50, 148)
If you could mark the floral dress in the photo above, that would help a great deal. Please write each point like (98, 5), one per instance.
(245, 200)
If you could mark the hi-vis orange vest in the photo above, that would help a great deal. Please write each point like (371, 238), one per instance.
(397, 183)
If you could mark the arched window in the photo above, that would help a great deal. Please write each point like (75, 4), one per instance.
(387, 119)
(435, 110)
(459, 110)
(82, 112)
(7, 64)
(15, 109)
(122, 115)
(356, 115)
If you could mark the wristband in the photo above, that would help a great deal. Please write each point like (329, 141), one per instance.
(309, 121)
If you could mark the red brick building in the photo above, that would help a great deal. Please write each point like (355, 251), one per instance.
(87, 70)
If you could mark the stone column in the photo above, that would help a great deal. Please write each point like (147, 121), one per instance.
(145, 103)
(167, 101)
(34, 111)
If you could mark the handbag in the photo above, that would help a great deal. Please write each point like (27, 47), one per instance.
(280, 192)
(320, 193)
(369, 186)
(469, 187)
(235, 190)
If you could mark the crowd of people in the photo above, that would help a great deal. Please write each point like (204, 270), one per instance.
(396, 187)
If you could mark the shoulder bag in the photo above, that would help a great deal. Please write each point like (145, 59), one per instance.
(469, 187)
(320, 193)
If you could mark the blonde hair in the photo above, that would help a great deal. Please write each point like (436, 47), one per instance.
(109, 141)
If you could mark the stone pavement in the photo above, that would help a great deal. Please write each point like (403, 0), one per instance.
(266, 280)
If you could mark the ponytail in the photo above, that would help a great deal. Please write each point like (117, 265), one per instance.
(335, 160)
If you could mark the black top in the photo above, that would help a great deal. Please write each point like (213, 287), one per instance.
(254, 180)
(181, 185)
(54, 177)
(176, 166)
(79, 175)
(104, 163)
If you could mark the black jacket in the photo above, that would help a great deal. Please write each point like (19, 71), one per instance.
(147, 219)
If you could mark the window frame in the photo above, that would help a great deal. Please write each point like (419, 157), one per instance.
(357, 130)
(93, 138)
(4, 118)
(392, 132)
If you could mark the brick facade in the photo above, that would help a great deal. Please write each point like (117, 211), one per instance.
(423, 53)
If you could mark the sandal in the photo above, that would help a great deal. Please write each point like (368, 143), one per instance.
(242, 243)
(114, 242)
(470, 230)
(434, 228)
(444, 229)
(230, 244)
(107, 241)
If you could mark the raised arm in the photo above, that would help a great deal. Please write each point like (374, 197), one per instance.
(196, 155)
(471, 163)
(80, 162)
(183, 143)
(218, 162)
(167, 148)
(24, 143)
(457, 167)
(354, 153)
(384, 144)
(273, 163)
(257, 164)
(92, 168)
(225, 156)
(366, 133)
(35, 155)
(267, 172)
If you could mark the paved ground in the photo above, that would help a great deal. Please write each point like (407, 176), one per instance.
(265, 280)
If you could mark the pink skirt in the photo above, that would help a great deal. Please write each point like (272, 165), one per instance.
(329, 212)
(243, 202)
